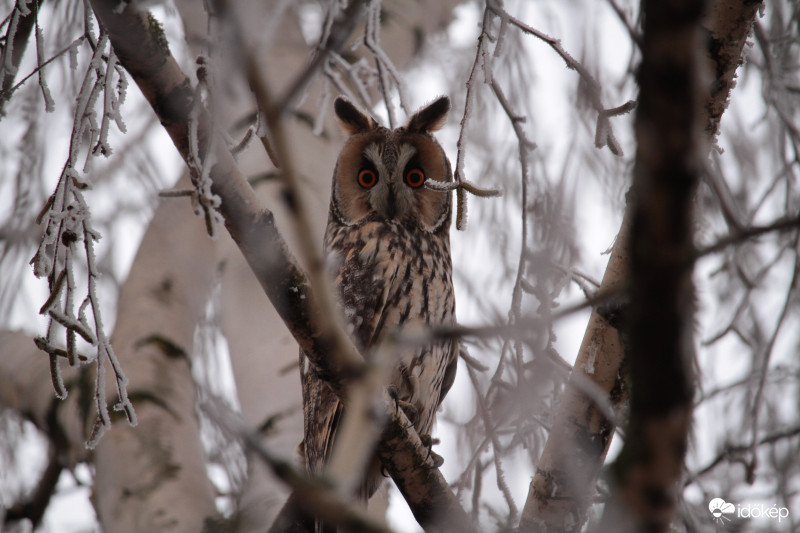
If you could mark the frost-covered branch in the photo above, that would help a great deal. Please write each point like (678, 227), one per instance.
(253, 229)
(20, 24)
(604, 135)
(359, 75)
(337, 30)
(460, 183)
(387, 73)
(67, 221)
(736, 452)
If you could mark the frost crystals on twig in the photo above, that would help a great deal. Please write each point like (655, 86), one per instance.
(67, 222)
(202, 158)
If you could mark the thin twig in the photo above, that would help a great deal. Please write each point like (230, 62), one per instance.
(337, 36)
(732, 450)
(604, 134)
(779, 226)
(488, 425)
(765, 358)
(634, 34)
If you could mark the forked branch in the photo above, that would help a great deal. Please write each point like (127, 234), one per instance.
(170, 94)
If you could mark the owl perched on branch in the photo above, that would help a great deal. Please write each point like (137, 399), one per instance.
(388, 245)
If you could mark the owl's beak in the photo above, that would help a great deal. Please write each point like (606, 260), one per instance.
(391, 203)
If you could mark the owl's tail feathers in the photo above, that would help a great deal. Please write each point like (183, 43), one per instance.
(373, 479)
(293, 518)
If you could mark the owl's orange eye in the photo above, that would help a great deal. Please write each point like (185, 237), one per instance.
(415, 178)
(367, 178)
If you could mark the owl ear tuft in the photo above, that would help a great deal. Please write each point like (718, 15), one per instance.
(431, 117)
(352, 119)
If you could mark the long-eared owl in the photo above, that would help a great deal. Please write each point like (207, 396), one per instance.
(387, 244)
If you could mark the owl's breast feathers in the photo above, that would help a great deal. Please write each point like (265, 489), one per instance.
(392, 278)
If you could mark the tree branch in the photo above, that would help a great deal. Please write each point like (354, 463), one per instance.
(36, 504)
(732, 450)
(670, 148)
(312, 496)
(559, 495)
(20, 25)
(146, 56)
(779, 226)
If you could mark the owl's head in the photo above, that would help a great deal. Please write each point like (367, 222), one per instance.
(380, 174)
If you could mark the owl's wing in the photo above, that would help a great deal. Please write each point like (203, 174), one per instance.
(449, 372)
(362, 298)
(321, 412)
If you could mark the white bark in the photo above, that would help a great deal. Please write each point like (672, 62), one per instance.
(153, 477)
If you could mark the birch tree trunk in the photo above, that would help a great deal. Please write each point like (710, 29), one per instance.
(152, 477)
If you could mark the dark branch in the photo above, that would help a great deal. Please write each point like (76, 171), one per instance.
(779, 226)
(34, 507)
(148, 60)
(666, 172)
(732, 452)
(16, 40)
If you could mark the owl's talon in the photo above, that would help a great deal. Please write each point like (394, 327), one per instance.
(428, 442)
(408, 408)
(437, 459)
(392, 391)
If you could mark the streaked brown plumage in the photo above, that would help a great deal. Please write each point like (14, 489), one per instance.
(388, 246)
